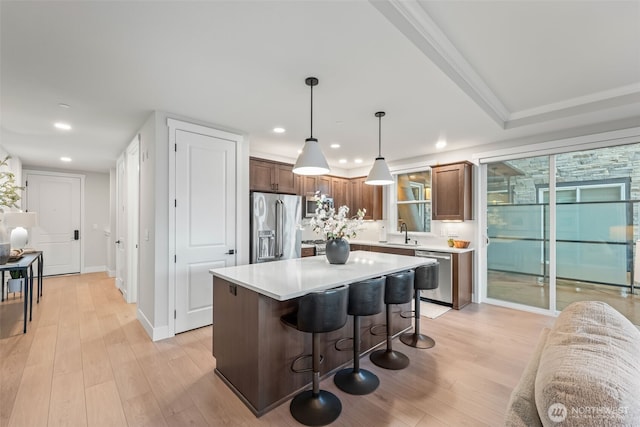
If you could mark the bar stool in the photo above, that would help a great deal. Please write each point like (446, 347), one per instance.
(365, 299)
(318, 312)
(426, 277)
(398, 290)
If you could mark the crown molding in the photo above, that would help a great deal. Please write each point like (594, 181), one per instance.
(414, 22)
(580, 105)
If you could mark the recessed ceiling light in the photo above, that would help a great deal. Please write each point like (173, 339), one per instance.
(342, 161)
(279, 130)
(335, 145)
(65, 159)
(62, 126)
(441, 144)
(358, 160)
(299, 151)
(63, 105)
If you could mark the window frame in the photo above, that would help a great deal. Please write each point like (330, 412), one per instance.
(392, 213)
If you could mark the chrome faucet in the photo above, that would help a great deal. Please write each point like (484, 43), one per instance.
(406, 232)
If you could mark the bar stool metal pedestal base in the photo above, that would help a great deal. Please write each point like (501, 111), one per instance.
(319, 410)
(413, 339)
(359, 383)
(389, 359)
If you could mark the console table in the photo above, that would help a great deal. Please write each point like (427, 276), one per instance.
(25, 264)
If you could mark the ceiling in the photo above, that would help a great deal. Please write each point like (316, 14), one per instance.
(465, 72)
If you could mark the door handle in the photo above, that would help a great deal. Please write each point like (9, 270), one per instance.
(230, 252)
(279, 227)
(76, 234)
(117, 242)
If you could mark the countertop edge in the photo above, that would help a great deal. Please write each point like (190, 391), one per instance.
(298, 293)
(434, 248)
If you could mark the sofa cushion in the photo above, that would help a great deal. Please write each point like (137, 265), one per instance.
(522, 411)
(589, 371)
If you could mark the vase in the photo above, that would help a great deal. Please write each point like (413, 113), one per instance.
(5, 242)
(15, 285)
(337, 251)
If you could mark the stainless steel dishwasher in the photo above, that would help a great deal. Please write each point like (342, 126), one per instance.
(443, 293)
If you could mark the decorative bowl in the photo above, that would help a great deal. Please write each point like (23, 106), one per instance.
(461, 244)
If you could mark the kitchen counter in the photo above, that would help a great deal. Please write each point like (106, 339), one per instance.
(292, 278)
(254, 349)
(430, 247)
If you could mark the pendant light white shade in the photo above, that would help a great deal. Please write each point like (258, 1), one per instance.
(379, 174)
(311, 161)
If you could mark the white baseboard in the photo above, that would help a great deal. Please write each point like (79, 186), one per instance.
(111, 273)
(94, 269)
(156, 334)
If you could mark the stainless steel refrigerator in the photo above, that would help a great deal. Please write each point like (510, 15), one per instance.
(275, 226)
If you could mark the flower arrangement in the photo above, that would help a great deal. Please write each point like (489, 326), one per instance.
(9, 196)
(336, 226)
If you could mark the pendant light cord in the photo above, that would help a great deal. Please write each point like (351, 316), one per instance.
(311, 86)
(379, 136)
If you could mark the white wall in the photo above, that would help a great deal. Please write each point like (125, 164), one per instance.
(146, 254)
(96, 220)
(111, 246)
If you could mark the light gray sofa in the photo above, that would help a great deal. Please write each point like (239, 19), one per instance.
(584, 371)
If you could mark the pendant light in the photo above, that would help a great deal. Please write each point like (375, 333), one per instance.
(311, 161)
(379, 174)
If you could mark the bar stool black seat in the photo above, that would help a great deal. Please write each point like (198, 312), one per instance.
(398, 290)
(318, 312)
(426, 277)
(365, 299)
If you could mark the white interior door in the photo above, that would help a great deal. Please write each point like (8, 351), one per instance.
(205, 225)
(133, 183)
(57, 199)
(121, 225)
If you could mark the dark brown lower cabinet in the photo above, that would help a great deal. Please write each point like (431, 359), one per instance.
(462, 278)
(254, 349)
(305, 252)
(461, 275)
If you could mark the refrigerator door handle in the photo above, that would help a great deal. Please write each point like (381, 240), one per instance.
(279, 227)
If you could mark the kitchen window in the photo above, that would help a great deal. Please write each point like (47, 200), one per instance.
(413, 200)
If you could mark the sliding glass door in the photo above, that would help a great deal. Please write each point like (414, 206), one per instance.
(516, 267)
(594, 212)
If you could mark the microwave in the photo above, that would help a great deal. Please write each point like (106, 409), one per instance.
(311, 204)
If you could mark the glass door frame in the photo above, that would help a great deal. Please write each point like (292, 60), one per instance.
(550, 148)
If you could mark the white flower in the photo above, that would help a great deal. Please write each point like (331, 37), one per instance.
(335, 226)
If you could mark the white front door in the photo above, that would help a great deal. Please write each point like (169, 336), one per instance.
(121, 225)
(205, 222)
(56, 198)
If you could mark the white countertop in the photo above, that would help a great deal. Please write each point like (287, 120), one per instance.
(430, 247)
(292, 278)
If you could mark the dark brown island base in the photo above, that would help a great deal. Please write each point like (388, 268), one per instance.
(254, 349)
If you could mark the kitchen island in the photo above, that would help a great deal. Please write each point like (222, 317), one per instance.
(254, 349)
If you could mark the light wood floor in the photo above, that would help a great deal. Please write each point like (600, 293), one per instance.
(86, 360)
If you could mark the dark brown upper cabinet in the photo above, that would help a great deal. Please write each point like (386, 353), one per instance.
(272, 177)
(452, 192)
(365, 196)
